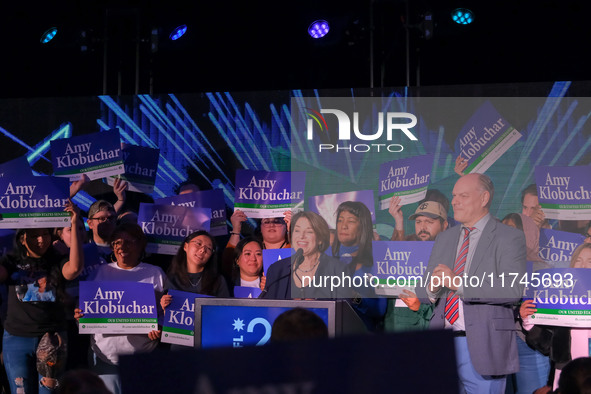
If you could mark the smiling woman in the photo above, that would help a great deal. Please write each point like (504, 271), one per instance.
(128, 242)
(193, 268)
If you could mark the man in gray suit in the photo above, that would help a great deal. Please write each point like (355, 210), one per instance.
(470, 278)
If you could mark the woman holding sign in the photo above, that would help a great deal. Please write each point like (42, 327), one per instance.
(35, 275)
(563, 344)
(128, 242)
(353, 246)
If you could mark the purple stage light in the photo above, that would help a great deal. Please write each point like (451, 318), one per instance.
(318, 29)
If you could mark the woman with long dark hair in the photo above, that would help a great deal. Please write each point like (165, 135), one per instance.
(34, 274)
(353, 246)
(193, 268)
(248, 270)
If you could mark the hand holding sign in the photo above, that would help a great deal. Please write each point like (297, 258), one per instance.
(411, 300)
(165, 301)
(461, 165)
(527, 309)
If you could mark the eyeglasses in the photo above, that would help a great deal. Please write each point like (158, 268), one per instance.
(104, 219)
(586, 235)
(200, 245)
(273, 222)
(119, 243)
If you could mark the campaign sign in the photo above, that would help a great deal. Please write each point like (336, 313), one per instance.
(271, 256)
(117, 307)
(33, 202)
(562, 296)
(18, 166)
(213, 199)
(407, 178)
(399, 265)
(166, 226)
(262, 194)
(484, 138)
(246, 292)
(141, 165)
(564, 192)
(558, 245)
(179, 318)
(97, 155)
(327, 205)
(238, 326)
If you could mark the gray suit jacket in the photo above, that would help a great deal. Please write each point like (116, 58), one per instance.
(488, 315)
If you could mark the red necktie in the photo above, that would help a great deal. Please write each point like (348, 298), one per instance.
(452, 301)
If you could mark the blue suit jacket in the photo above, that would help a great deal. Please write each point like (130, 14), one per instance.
(488, 315)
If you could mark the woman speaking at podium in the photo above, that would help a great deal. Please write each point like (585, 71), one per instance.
(309, 273)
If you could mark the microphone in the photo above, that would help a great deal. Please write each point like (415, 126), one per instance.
(298, 259)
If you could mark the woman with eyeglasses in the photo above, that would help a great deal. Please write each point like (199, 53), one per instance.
(587, 234)
(193, 268)
(128, 243)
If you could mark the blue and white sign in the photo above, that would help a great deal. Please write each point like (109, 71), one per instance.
(212, 199)
(179, 318)
(407, 178)
(262, 194)
(558, 245)
(117, 307)
(97, 155)
(166, 226)
(141, 166)
(564, 192)
(33, 202)
(399, 265)
(562, 296)
(484, 138)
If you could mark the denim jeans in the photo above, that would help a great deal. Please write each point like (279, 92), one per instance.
(534, 369)
(20, 363)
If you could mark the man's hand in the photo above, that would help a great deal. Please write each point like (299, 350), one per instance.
(441, 277)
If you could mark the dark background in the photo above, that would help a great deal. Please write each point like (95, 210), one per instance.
(263, 45)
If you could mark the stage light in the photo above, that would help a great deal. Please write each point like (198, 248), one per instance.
(178, 32)
(48, 35)
(462, 16)
(318, 29)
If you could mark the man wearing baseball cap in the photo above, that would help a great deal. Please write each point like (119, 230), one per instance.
(430, 219)
(407, 313)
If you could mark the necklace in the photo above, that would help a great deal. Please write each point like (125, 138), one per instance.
(195, 284)
(311, 268)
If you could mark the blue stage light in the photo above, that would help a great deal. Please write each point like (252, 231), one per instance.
(318, 29)
(48, 35)
(178, 32)
(462, 16)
